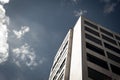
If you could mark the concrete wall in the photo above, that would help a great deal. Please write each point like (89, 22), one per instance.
(76, 56)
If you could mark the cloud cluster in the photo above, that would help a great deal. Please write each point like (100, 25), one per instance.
(4, 1)
(109, 5)
(24, 55)
(21, 32)
(80, 12)
(3, 33)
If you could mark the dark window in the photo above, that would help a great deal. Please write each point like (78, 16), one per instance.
(62, 65)
(54, 65)
(55, 77)
(65, 45)
(97, 61)
(92, 31)
(60, 77)
(106, 32)
(117, 37)
(115, 69)
(95, 75)
(119, 43)
(112, 48)
(95, 49)
(91, 25)
(109, 39)
(113, 57)
(93, 39)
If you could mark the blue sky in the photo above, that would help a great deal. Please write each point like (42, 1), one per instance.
(32, 31)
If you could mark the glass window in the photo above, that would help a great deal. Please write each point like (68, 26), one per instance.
(112, 48)
(93, 39)
(91, 25)
(65, 45)
(95, 49)
(115, 69)
(54, 65)
(109, 39)
(106, 32)
(119, 43)
(97, 61)
(55, 77)
(92, 31)
(62, 65)
(117, 37)
(61, 77)
(95, 75)
(113, 57)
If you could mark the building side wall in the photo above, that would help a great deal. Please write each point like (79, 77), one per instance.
(59, 70)
(76, 56)
(67, 68)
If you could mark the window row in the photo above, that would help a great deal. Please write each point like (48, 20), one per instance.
(106, 32)
(113, 57)
(101, 29)
(97, 34)
(115, 49)
(60, 55)
(109, 39)
(59, 70)
(96, 75)
(93, 39)
(91, 25)
(95, 49)
(97, 61)
(103, 63)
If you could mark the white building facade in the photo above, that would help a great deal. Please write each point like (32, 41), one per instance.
(88, 52)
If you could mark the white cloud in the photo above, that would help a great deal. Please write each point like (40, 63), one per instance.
(109, 6)
(4, 1)
(21, 32)
(24, 55)
(2, 12)
(3, 43)
(80, 12)
(3, 35)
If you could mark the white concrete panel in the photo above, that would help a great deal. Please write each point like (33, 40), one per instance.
(76, 56)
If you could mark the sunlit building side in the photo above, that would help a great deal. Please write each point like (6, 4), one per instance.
(88, 52)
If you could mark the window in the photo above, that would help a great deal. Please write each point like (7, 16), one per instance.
(95, 75)
(97, 61)
(55, 77)
(93, 39)
(54, 65)
(65, 45)
(113, 57)
(119, 43)
(109, 39)
(117, 37)
(62, 65)
(106, 32)
(91, 25)
(115, 69)
(112, 48)
(95, 49)
(92, 31)
(61, 77)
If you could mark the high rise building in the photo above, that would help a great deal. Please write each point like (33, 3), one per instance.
(88, 52)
